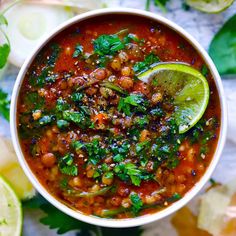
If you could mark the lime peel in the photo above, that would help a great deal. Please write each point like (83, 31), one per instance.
(186, 85)
(212, 6)
(11, 216)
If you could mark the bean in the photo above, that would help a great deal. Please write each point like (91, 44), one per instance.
(48, 159)
(123, 191)
(107, 179)
(91, 91)
(95, 188)
(156, 98)
(126, 203)
(76, 182)
(126, 82)
(123, 57)
(37, 114)
(116, 201)
(180, 188)
(116, 64)
(90, 171)
(100, 74)
(106, 92)
(126, 71)
(144, 135)
(191, 155)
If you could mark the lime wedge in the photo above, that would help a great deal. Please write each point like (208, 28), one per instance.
(210, 6)
(186, 85)
(11, 217)
(10, 169)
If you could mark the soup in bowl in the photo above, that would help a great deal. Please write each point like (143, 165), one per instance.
(118, 117)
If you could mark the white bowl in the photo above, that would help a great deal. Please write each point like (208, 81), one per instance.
(120, 223)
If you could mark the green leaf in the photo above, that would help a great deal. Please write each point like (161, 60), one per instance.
(3, 20)
(135, 100)
(144, 65)
(78, 50)
(107, 44)
(63, 223)
(223, 48)
(4, 105)
(66, 165)
(136, 203)
(56, 219)
(4, 53)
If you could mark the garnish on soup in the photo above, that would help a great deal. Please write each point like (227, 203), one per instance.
(101, 140)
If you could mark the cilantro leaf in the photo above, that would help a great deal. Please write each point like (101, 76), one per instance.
(78, 50)
(107, 44)
(4, 53)
(3, 20)
(130, 171)
(136, 203)
(4, 105)
(144, 65)
(135, 100)
(223, 48)
(63, 223)
(66, 165)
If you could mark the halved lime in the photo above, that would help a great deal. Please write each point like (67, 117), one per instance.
(186, 85)
(11, 217)
(11, 170)
(210, 6)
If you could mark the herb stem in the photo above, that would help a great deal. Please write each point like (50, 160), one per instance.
(99, 231)
(147, 6)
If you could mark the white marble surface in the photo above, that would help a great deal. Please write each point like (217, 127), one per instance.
(202, 27)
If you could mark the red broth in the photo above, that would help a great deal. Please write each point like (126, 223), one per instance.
(97, 138)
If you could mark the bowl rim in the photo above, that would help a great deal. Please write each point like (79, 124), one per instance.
(142, 220)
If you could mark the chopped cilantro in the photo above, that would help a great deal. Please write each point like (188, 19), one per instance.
(78, 50)
(174, 197)
(62, 124)
(133, 100)
(77, 97)
(45, 120)
(4, 105)
(76, 117)
(95, 151)
(107, 44)
(130, 171)
(62, 105)
(54, 55)
(136, 203)
(144, 65)
(204, 70)
(4, 52)
(66, 165)
(141, 121)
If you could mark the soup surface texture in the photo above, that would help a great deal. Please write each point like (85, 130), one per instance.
(100, 140)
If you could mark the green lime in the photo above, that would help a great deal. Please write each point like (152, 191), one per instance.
(210, 6)
(188, 87)
(10, 168)
(11, 217)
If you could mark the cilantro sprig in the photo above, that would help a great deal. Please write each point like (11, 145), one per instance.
(63, 223)
(4, 105)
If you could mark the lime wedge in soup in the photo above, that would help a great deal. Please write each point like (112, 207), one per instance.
(210, 6)
(11, 217)
(186, 85)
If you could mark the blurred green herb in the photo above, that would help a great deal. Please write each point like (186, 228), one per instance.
(159, 3)
(4, 105)
(63, 223)
(223, 48)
